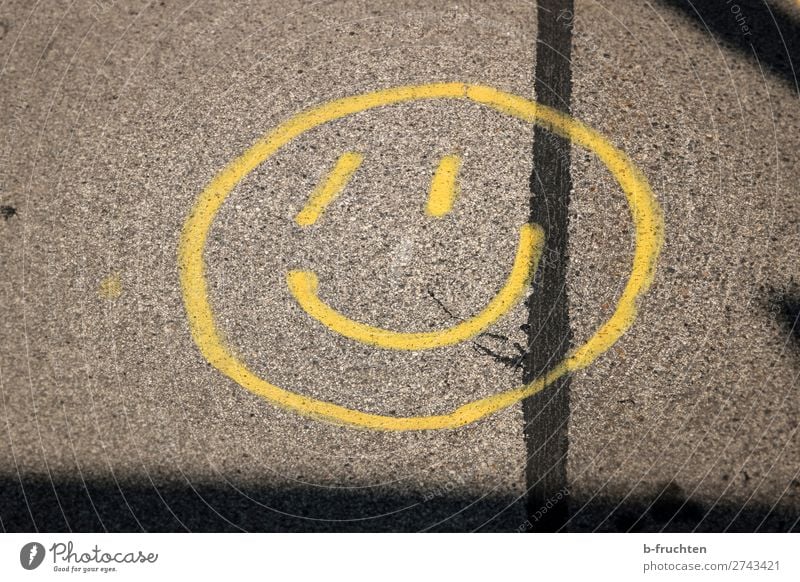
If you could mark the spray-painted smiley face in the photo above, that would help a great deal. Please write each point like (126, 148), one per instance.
(645, 214)
(303, 284)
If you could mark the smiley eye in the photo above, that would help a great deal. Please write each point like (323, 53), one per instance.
(327, 191)
(444, 187)
(442, 194)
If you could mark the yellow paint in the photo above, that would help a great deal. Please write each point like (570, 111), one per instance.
(324, 194)
(644, 210)
(444, 187)
(110, 287)
(303, 285)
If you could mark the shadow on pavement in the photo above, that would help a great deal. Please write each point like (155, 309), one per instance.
(99, 506)
(762, 31)
(786, 307)
(671, 511)
(173, 506)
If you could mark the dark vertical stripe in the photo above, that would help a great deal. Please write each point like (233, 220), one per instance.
(549, 338)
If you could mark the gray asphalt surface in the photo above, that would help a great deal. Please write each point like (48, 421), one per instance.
(116, 115)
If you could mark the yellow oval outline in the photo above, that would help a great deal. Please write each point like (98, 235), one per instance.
(644, 208)
(303, 287)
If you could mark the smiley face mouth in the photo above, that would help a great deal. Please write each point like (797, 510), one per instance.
(304, 285)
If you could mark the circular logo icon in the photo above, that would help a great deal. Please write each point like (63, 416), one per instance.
(31, 555)
(645, 216)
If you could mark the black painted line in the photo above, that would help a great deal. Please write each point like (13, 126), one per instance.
(546, 414)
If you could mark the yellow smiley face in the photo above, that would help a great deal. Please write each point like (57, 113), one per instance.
(303, 284)
(645, 214)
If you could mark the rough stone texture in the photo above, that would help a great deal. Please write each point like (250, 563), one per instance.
(115, 115)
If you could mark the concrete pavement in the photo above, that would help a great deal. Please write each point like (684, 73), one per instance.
(117, 115)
